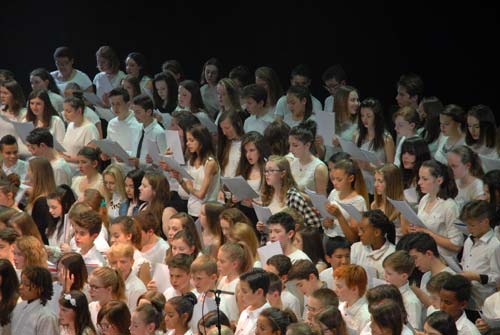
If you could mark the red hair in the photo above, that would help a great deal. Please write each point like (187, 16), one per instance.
(354, 276)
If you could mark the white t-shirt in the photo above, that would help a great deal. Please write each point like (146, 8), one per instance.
(364, 255)
(103, 87)
(78, 137)
(78, 77)
(282, 110)
(134, 288)
(304, 174)
(157, 253)
(233, 159)
(228, 303)
(357, 201)
(470, 192)
(258, 124)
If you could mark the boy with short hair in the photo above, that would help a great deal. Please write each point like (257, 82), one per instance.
(254, 286)
(434, 286)
(280, 265)
(121, 257)
(410, 90)
(41, 143)
(350, 286)
(255, 98)
(318, 301)
(65, 73)
(86, 226)
(153, 248)
(282, 228)
(455, 296)
(333, 78)
(10, 158)
(398, 266)
(204, 278)
(8, 238)
(481, 255)
(337, 253)
(179, 267)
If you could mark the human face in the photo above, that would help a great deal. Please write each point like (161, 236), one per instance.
(174, 225)
(64, 66)
(37, 106)
(179, 246)
(146, 192)
(487, 195)
(103, 64)
(300, 81)
(403, 127)
(295, 105)
(132, 67)
(37, 83)
(422, 260)
(107, 328)
(331, 85)
(251, 153)
(343, 292)
(253, 107)
(421, 112)
(367, 233)
(353, 103)
(378, 329)
(367, 117)
(392, 277)
(409, 160)
(264, 327)
(379, 183)
(192, 143)
(6, 199)
(86, 166)
(211, 74)
(222, 95)
(138, 326)
(83, 238)
(97, 290)
(128, 87)
(298, 148)
(117, 234)
(6, 250)
(477, 227)
(118, 105)
(447, 124)
(341, 256)
(314, 307)
(403, 98)
(172, 318)
(27, 290)
(162, 89)
(428, 330)
(261, 82)
(66, 316)
(10, 154)
(248, 296)
(474, 127)
(5, 95)
(70, 113)
(273, 174)
(341, 180)
(277, 233)
(202, 281)
(224, 265)
(460, 170)
(435, 299)
(298, 242)
(450, 304)
(122, 264)
(35, 149)
(228, 129)
(141, 114)
(55, 208)
(225, 226)
(184, 97)
(129, 187)
(427, 182)
(179, 279)
(109, 183)
(306, 286)
(19, 259)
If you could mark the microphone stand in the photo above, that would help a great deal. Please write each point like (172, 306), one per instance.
(217, 294)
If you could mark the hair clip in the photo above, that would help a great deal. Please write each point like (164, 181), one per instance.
(71, 300)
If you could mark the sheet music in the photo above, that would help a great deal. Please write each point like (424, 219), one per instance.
(325, 123)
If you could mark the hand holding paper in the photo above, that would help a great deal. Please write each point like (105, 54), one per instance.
(174, 165)
(319, 201)
(407, 212)
(239, 187)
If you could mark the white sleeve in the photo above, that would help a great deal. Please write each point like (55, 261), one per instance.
(451, 215)
(281, 107)
(58, 129)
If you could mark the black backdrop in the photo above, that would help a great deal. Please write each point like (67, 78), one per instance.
(452, 46)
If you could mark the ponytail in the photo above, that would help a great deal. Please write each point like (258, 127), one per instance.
(358, 184)
(469, 156)
(379, 220)
(448, 188)
(239, 251)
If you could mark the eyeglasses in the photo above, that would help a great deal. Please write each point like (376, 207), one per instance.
(271, 171)
(313, 309)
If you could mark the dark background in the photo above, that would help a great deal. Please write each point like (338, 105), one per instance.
(454, 47)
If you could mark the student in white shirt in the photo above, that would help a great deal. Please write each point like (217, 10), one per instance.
(350, 286)
(114, 182)
(282, 228)
(254, 286)
(13, 100)
(414, 151)
(255, 97)
(230, 131)
(110, 76)
(337, 253)
(114, 317)
(210, 75)
(268, 78)
(87, 225)
(481, 254)
(398, 267)
(440, 323)
(135, 65)
(145, 320)
(308, 170)
(377, 236)
(178, 313)
(467, 171)
(437, 209)
(406, 121)
(429, 110)
(11, 162)
(333, 78)
(41, 79)
(346, 114)
(481, 131)
(386, 317)
(452, 120)
(274, 320)
(153, 247)
(65, 73)
(74, 315)
(455, 296)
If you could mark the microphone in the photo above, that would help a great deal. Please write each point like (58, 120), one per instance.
(221, 292)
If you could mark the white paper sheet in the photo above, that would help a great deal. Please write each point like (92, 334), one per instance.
(319, 201)
(263, 213)
(408, 212)
(207, 122)
(173, 164)
(411, 195)
(353, 211)
(105, 113)
(92, 98)
(104, 86)
(325, 123)
(161, 275)
(494, 323)
(174, 143)
(152, 150)
(358, 153)
(112, 148)
(23, 129)
(269, 250)
(66, 228)
(239, 187)
(489, 163)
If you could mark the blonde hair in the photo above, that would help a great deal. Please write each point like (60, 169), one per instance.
(42, 178)
(116, 172)
(242, 232)
(111, 278)
(238, 251)
(287, 180)
(393, 189)
(121, 249)
(33, 251)
(204, 263)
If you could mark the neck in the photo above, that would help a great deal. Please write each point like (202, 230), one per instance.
(50, 154)
(432, 196)
(352, 301)
(454, 135)
(437, 266)
(180, 329)
(124, 115)
(290, 248)
(261, 303)
(261, 112)
(150, 242)
(8, 164)
(467, 179)
(92, 175)
(306, 158)
(299, 115)
(68, 75)
(85, 249)
(78, 122)
(147, 122)
(344, 193)
(232, 276)
(370, 132)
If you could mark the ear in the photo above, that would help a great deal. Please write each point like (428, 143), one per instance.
(94, 236)
(405, 276)
(439, 180)
(290, 234)
(350, 178)
(311, 277)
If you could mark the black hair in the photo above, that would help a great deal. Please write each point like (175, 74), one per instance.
(64, 194)
(75, 265)
(150, 314)
(282, 263)
(456, 113)
(256, 92)
(83, 320)
(242, 74)
(256, 278)
(422, 242)
(311, 239)
(212, 318)
(305, 132)
(144, 101)
(172, 88)
(442, 322)
(460, 285)
(334, 243)
(417, 147)
(379, 220)
(117, 314)
(448, 188)
(45, 75)
(378, 123)
(7, 140)
(492, 180)
(184, 304)
(40, 278)
(9, 290)
(334, 72)
(64, 52)
(140, 61)
(120, 91)
(476, 209)
(302, 92)
(279, 319)
(40, 135)
(432, 107)
(283, 219)
(487, 126)
(413, 84)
